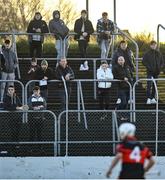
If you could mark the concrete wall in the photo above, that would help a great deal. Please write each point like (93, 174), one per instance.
(65, 168)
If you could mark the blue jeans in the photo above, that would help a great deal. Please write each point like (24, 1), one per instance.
(105, 47)
(61, 46)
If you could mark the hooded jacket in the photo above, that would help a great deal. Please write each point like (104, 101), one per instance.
(58, 27)
(35, 24)
(8, 61)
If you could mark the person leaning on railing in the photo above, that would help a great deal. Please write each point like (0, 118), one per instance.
(12, 103)
(105, 28)
(36, 102)
(64, 71)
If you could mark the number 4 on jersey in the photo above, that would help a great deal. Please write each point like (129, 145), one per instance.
(135, 154)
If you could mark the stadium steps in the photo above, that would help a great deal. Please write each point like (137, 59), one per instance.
(98, 129)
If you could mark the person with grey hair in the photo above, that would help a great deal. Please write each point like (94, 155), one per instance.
(8, 65)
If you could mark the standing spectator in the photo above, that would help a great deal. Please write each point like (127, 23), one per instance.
(58, 27)
(137, 159)
(31, 72)
(36, 26)
(121, 72)
(124, 50)
(36, 102)
(8, 66)
(153, 61)
(44, 73)
(105, 27)
(65, 71)
(84, 28)
(104, 73)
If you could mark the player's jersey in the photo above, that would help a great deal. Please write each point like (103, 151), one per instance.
(134, 154)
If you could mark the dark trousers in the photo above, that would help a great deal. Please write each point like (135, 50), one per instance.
(35, 49)
(123, 94)
(83, 48)
(150, 86)
(104, 98)
(35, 127)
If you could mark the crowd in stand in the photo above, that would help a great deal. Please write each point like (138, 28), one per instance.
(121, 68)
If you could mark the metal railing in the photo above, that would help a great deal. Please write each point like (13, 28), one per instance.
(20, 83)
(146, 133)
(158, 35)
(63, 43)
(49, 115)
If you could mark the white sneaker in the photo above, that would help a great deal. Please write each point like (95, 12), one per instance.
(153, 101)
(130, 101)
(81, 67)
(86, 67)
(118, 101)
(148, 101)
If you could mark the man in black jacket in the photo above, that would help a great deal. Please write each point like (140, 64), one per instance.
(84, 28)
(37, 26)
(44, 73)
(124, 50)
(121, 72)
(13, 103)
(64, 72)
(153, 61)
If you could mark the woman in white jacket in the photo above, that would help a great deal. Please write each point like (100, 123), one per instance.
(104, 73)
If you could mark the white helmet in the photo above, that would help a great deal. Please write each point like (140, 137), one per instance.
(126, 129)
